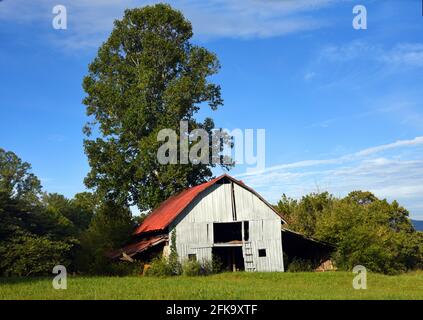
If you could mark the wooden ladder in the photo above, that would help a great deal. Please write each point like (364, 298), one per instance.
(248, 257)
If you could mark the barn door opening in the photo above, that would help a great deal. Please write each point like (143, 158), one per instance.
(227, 232)
(231, 258)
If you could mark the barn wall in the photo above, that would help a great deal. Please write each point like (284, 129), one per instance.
(194, 227)
(250, 207)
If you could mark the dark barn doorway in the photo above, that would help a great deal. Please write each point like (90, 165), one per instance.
(227, 232)
(231, 258)
(297, 246)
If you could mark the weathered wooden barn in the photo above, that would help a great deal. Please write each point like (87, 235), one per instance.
(221, 218)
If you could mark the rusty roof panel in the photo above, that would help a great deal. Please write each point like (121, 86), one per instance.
(160, 218)
(137, 247)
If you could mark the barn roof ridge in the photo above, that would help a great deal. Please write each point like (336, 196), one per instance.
(171, 208)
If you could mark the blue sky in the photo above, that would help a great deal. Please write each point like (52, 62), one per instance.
(342, 108)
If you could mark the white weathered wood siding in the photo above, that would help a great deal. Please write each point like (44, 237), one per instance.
(194, 227)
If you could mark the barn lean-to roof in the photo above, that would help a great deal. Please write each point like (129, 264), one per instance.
(171, 208)
(133, 249)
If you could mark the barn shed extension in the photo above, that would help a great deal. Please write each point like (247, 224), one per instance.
(221, 218)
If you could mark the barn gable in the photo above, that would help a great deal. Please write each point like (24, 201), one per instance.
(233, 222)
(169, 210)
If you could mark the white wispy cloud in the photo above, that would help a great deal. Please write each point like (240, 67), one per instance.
(90, 21)
(339, 160)
(398, 55)
(405, 54)
(398, 144)
(392, 171)
(253, 18)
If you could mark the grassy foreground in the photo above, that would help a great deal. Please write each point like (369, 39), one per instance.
(330, 285)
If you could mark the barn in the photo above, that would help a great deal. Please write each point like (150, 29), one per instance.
(225, 219)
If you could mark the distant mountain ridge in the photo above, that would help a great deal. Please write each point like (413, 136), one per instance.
(418, 224)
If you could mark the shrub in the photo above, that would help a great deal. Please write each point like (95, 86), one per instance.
(207, 267)
(123, 268)
(192, 268)
(160, 267)
(28, 255)
(203, 268)
(212, 266)
(301, 265)
(173, 259)
(166, 267)
(174, 265)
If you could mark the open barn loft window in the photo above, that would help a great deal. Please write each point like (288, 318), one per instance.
(192, 257)
(262, 252)
(227, 232)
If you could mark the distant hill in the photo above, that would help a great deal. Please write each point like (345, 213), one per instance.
(418, 224)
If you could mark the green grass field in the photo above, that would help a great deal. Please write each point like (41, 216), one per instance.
(330, 285)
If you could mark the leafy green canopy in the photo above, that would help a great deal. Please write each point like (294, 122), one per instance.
(147, 76)
(109, 229)
(37, 230)
(365, 229)
(16, 180)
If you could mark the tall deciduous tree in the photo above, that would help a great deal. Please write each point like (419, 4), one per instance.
(16, 180)
(147, 76)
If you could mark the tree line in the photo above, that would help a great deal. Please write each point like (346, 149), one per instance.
(39, 230)
(365, 230)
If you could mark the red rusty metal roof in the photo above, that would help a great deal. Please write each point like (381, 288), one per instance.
(137, 247)
(168, 210)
